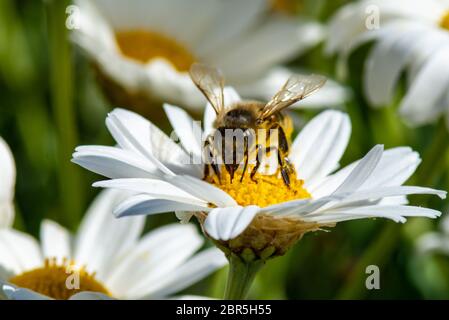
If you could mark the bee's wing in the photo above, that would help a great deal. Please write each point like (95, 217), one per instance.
(210, 81)
(296, 88)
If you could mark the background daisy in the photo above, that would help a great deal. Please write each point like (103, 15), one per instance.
(7, 184)
(147, 47)
(412, 38)
(110, 256)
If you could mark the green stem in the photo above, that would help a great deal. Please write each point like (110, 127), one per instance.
(435, 156)
(376, 254)
(61, 73)
(241, 276)
(390, 131)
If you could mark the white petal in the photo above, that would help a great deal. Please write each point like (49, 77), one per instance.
(145, 205)
(157, 189)
(6, 214)
(383, 192)
(318, 148)
(114, 162)
(300, 207)
(90, 296)
(394, 168)
(362, 171)
(7, 184)
(386, 61)
(157, 256)
(396, 213)
(16, 293)
(277, 40)
(187, 130)
(433, 242)
(102, 237)
(19, 252)
(208, 120)
(202, 190)
(228, 223)
(422, 102)
(133, 132)
(168, 17)
(55, 240)
(192, 271)
(243, 14)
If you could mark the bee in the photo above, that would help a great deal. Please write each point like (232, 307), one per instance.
(250, 117)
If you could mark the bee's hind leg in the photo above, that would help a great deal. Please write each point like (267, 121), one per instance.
(257, 165)
(285, 165)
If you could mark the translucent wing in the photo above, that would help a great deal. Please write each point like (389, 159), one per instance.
(210, 81)
(296, 88)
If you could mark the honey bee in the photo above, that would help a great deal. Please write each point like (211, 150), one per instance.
(250, 117)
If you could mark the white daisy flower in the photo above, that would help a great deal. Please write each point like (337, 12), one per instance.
(264, 215)
(106, 259)
(412, 38)
(7, 184)
(147, 47)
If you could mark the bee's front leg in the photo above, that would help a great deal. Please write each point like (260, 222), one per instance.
(210, 154)
(257, 165)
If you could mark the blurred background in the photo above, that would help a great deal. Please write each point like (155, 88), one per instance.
(50, 102)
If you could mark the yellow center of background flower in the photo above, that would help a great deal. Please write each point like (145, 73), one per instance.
(56, 281)
(266, 190)
(143, 46)
(289, 7)
(444, 23)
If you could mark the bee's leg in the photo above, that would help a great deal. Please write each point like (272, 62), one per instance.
(285, 169)
(256, 167)
(285, 165)
(246, 155)
(208, 148)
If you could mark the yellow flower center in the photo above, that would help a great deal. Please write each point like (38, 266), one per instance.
(444, 23)
(264, 191)
(144, 45)
(289, 7)
(59, 281)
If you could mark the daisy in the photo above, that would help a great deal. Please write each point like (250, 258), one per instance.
(261, 218)
(106, 259)
(7, 182)
(412, 38)
(143, 49)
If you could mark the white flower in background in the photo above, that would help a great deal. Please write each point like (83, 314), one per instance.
(147, 47)
(436, 241)
(7, 184)
(412, 38)
(264, 214)
(107, 255)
